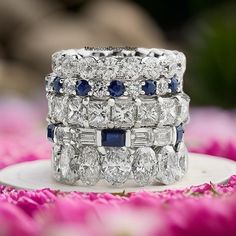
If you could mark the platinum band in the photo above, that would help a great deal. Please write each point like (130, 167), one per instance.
(136, 137)
(118, 113)
(110, 64)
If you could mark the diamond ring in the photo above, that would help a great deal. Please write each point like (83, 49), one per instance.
(117, 114)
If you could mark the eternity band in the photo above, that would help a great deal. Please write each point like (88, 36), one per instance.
(117, 114)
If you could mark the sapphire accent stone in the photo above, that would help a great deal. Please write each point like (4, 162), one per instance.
(50, 132)
(57, 85)
(113, 137)
(116, 88)
(149, 87)
(82, 87)
(173, 85)
(179, 134)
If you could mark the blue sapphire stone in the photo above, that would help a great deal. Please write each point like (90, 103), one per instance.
(57, 85)
(116, 88)
(173, 85)
(113, 137)
(50, 132)
(149, 87)
(82, 87)
(179, 134)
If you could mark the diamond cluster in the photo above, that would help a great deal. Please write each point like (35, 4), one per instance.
(117, 114)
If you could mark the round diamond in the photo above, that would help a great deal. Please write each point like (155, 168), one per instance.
(151, 67)
(116, 166)
(107, 68)
(82, 87)
(168, 171)
(133, 88)
(87, 67)
(144, 164)
(167, 65)
(99, 88)
(149, 87)
(89, 166)
(69, 65)
(162, 86)
(116, 88)
(130, 67)
(69, 86)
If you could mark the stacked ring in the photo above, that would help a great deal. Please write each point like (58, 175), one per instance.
(117, 114)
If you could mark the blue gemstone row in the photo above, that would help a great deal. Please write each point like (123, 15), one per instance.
(116, 87)
(115, 137)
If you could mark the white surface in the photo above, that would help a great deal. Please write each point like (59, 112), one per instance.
(36, 175)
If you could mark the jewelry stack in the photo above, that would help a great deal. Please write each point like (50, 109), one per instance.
(117, 114)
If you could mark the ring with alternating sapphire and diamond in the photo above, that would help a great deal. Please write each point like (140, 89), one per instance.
(117, 114)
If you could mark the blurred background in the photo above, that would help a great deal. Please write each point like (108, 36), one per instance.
(31, 30)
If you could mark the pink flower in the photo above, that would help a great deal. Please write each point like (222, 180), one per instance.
(14, 222)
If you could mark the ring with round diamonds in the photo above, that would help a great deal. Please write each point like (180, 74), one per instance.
(117, 114)
(117, 72)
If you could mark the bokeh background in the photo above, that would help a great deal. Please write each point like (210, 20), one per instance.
(31, 30)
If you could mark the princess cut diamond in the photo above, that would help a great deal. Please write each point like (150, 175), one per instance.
(123, 113)
(148, 113)
(98, 113)
(77, 112)
(168, 111)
